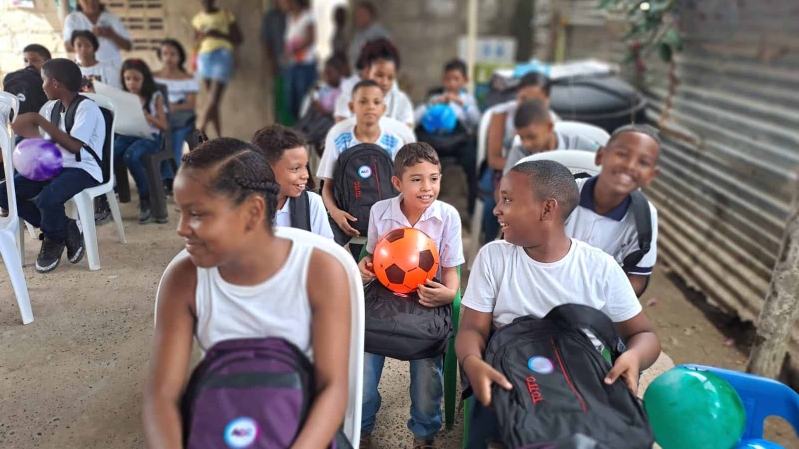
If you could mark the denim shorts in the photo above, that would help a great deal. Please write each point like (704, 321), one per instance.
(216, 65)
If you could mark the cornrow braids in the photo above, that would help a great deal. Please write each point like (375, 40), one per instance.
(237, 170)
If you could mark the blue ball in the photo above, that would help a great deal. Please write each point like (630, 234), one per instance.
(439, 119)
(758, 443)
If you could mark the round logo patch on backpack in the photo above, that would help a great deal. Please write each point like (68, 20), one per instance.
(540, 365)
(241, 432)
(21, 97)
(364, 171)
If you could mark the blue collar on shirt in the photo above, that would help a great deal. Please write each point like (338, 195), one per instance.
(587, 201)
(394, 212)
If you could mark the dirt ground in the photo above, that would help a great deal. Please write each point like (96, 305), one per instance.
(72, 378)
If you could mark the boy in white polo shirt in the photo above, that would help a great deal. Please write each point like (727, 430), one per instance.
(417, 176)
(285, 151)
(603, 217)
(536, 268)
(41, 203)
(367, 105)
(535, 133)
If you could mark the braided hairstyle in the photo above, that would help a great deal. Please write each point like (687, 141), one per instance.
(238, 170)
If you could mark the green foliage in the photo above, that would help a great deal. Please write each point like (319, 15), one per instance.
(650, 26)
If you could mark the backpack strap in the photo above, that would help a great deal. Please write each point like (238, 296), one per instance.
(69, 122)
(300, 211)
(582, 316)
(643, 225)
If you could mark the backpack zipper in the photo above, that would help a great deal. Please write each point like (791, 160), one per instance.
(377, 177)
(567, 377)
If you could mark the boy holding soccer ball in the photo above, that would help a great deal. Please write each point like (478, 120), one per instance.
(417, 176)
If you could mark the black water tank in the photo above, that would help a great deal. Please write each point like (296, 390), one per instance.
(606, 102)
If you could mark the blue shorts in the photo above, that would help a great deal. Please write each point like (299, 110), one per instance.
(216, 65)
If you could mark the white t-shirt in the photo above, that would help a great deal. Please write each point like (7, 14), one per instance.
(615, 232)
(441, 222)
(108, 50)
(104, 72)
(319, 222)
(506, 282)
(296, 27)
(398, 106)
(342, 138)
(89, 128)
(179, 89)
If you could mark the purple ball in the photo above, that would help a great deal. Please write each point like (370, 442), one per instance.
(38, 159)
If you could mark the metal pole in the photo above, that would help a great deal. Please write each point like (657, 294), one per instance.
(471, 41)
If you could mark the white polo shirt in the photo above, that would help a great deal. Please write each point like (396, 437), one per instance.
(89, 128)
(615, 232)
(342, 138)
(507, 283)
(108, 50)
(319, 222)
(441, 222)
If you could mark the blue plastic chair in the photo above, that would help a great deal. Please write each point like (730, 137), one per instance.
(761, 397)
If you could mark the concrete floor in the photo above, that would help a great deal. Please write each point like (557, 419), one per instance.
(72, 378)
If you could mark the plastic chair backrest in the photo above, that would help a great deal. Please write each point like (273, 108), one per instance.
(482, 132)
(8, 103)
(575, 160)
(762, 398)
(352, 418)
(585, 130)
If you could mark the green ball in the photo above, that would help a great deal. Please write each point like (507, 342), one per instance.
(694, 409)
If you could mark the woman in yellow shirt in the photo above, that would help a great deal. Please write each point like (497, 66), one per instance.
(216, 34)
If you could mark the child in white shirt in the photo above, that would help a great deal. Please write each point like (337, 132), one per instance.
(368, 107)
(536, 268)
(285, 151)
(417, 176)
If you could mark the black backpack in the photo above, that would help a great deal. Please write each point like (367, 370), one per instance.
(315, 126)
(639, 206)
(362, 178)
(300, 211)
(69, 119)
(26, 84)
(558, 382)
(397, 326)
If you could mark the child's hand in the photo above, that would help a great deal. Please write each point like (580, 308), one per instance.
(481, 375)
(149, 118)
(433, 294)
(627, 366)
(367, 269)
(343, 219)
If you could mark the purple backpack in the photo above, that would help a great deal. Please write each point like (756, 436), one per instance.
(249, 393)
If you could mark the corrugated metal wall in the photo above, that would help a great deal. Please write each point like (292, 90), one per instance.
(731, 144)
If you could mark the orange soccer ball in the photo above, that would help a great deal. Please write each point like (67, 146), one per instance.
(405, 258)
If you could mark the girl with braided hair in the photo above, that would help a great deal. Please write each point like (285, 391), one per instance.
(255, 283)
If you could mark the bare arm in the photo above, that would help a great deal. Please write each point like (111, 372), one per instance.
(169, 362)
(188, 105)
(330, 302)
(341, 217)
(25, 125)
(470, 344)
(328, 196)
(639, 283)
(496, 135)
(158, 120)
(643, 349)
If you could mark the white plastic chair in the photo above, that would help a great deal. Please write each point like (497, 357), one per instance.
(352, 418)
(586, 130)
(10, 247)
(575, 160)
(81, 206)
(482, 149)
